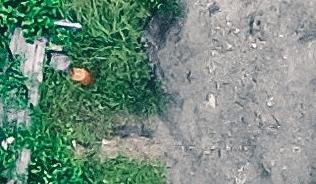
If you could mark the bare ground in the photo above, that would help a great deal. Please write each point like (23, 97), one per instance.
(243, 77)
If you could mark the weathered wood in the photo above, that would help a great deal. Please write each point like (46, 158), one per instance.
(32, 67)
(23, 160)
(34, 55)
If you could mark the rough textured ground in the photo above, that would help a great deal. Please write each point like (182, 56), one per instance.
(243, 77)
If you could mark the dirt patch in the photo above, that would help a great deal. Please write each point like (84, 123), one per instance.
(242, 75)
(150, 140)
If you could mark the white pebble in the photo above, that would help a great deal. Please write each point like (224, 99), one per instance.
(270, 102)
(211, 101)
(253, 45)
(4, 145)
(10, 140)
(236, 31)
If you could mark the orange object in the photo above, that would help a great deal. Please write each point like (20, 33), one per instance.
(81, 75)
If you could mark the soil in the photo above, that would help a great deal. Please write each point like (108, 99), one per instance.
(242, 74)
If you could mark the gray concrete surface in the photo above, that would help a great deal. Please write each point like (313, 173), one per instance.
(243, 77)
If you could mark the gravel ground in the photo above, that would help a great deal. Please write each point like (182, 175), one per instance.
(243, 77)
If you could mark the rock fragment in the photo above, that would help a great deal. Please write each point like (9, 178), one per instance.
(211, 100)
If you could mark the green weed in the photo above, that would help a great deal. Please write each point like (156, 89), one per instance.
(13, 93)
(35, 17)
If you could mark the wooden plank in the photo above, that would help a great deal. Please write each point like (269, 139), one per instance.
(34, 55)
(32, 68)
(18, 44)
(23, 161)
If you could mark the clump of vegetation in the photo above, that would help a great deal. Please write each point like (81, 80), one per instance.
(108, 46)
(52, 158)
(13, 93)
(53, 161)
(124, 170)
(35, 17)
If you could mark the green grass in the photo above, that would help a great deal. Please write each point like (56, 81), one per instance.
(35, 17)
(124, 86)
(124, 170)
(13, 94)
(109, 47)
(53, 159)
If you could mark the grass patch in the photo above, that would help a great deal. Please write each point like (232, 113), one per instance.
(52, 158)
(13, 93)
(124, 170)
(35, 17)
(124, 85)
(53, 161)
(109, 47)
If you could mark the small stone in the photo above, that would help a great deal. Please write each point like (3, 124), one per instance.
(228, 148)
(284, 167)
(130, 149)
(236, 31)
(143, 40)
(74, 144)
(296, 149)
(253, 45)
(211, 101)
(105, 142)
(229, 47)
(59, 62)
(4, 145)
(207, 152)
(213, 53)
(270, 102)
(10, 140)
(229, 133)
(272, 163)
(212, 148)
